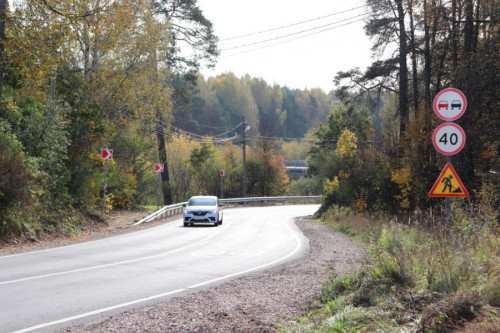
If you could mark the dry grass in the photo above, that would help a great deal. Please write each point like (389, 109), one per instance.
(418, 278)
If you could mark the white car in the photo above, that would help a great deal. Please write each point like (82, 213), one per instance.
(203, 210)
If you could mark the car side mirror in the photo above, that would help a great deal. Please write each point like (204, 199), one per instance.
(184, 205)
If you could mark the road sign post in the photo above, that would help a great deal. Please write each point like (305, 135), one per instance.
(222, 174)
(106, 154)
(449, 139)
(159, 168)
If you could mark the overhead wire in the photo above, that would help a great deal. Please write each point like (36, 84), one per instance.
(286, 41)
(198, 124)
(314, 141)
(302, 32)
(238, 139)
(292, 24)
(197, 137)
(164, 123)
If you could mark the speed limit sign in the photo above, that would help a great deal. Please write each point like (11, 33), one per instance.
(448, 138)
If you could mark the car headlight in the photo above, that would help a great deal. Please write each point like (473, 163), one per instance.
(187, 211)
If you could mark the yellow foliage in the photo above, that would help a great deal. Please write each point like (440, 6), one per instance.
(347, 144)
(343, 174)
(360, 205)
(182, 179)
(402, 177)
(295, 150)
(331, 185)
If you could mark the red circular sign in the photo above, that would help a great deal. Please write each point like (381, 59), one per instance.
(450, 104)
(448, 138)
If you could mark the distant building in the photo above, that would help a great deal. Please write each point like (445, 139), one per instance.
(296, 169)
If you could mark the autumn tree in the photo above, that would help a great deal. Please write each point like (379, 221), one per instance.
(3, 18)
(450, 44)
(266, 174)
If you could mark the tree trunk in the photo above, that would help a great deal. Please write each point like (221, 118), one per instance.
(403, 70)
(162, 147)
(162, 152)
(454, 40)
(427, 57)
(468, 29)
(85, 44)
(476, 26)
(413, 58)
(3, 17)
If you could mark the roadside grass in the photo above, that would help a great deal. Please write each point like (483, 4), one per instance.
(146, 207)
(418, 280)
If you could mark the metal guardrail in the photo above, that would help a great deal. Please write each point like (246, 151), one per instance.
(175, 209)
(265, 199)
(170, 210)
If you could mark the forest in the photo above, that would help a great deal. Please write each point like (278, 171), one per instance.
(77, 77)
(81, 76)
(384, 158)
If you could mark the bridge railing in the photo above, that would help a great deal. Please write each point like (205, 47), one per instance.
(175, 209)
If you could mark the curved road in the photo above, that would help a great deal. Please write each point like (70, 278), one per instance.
(50, 289)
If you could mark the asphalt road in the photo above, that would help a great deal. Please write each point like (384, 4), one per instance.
(47, 290)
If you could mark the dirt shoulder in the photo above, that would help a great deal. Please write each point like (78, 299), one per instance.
(115, 223)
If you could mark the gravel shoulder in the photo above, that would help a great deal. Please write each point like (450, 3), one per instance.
(258, 302)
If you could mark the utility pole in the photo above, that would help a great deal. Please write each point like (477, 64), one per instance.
(244, 144)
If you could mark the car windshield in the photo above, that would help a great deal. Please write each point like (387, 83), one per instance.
(202, 202)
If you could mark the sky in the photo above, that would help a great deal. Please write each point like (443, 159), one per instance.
(294, 43)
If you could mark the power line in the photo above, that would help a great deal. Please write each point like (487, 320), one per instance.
(301, 32)
(286, 41)
(314, 141)
(183, 131)
(215, 135)
(292, 24)
(176, 118)
(231, 130)
(164, 123)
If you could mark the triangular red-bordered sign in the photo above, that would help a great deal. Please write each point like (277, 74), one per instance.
(448, 184)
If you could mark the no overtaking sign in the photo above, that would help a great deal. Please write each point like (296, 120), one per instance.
(450, 104)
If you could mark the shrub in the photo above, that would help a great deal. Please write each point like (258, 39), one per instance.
(14, 180)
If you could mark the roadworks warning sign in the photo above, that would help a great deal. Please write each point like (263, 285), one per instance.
(448, 184)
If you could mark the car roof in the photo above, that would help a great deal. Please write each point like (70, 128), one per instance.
(203, 196)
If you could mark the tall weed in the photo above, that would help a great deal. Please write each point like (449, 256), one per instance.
(418, 276)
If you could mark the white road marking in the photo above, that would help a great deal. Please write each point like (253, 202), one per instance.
(83, 315)
(169, 293)
(89, 242)
(115, 263)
